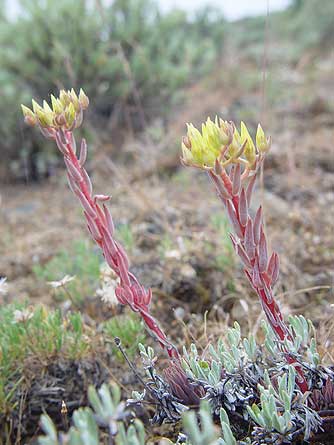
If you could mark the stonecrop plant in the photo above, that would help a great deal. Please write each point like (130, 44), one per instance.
(272, 393)
(58, 123)
(232, 161)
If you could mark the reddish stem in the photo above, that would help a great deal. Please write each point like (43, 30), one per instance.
(129, 291)
(264, 291)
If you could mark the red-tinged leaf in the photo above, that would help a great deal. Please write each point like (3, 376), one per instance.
(86, 204)
(271, 318)
(100, 215)
(72, 170)
(234, 220)
(108, 240)
(250, 188)
(236, 182)
(102, 198)
(268, 293)
(243, 208)
(249, 240)
(263, 252)
(122, 253)
(271, 265)
(148, 297)
(109, 220)
(133, 279)
(124, 295)
(83, 152)
(87, 181)
(250, 279)
(49, 133)
(93, 227)
(60, 144)
(234, 241)
(73, 186)
(220, 187)
(120, 295)
(275, 273)
(71, 141)
(109, 257)
(243, 256)
(257, 277)
(257, 225)
(123, 270)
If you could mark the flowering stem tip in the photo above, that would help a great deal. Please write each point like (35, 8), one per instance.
(232, 161)
(58, 122)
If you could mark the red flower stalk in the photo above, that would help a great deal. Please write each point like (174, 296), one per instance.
(58, 124)
(234, 165)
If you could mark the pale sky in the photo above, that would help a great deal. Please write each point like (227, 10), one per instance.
(232, 9)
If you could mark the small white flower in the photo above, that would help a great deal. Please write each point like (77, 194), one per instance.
(107, 292)
(22, 316)
(109, 282)
(61, 283)
(3, 286)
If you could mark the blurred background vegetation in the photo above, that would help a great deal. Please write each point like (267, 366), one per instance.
(133, 60)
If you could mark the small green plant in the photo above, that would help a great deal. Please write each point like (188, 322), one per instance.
(39, 335)
(128, 329)
(108, 413)
(81, 261)
(208, 433)
(281, 412)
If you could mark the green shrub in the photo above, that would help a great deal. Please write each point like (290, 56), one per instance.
(311, 26)
(131, 59)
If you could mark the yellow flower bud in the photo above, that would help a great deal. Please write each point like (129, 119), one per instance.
(56, 105)
(46, 107)
(249, 150)
(70, 115)
(83, 99)
(64, 99)
(211, 135)
(29, 116)
(75, 100)
(45, 119)
(36, 106)
(235, 144)
(66, 111)
(187, 156)
(204, 147)
(262, 143)
(219, 143)
(225, 132)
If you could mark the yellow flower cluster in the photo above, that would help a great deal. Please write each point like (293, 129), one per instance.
(65, 111)
(220, 140)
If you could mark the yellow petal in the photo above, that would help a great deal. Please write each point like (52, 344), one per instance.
(249, 150)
